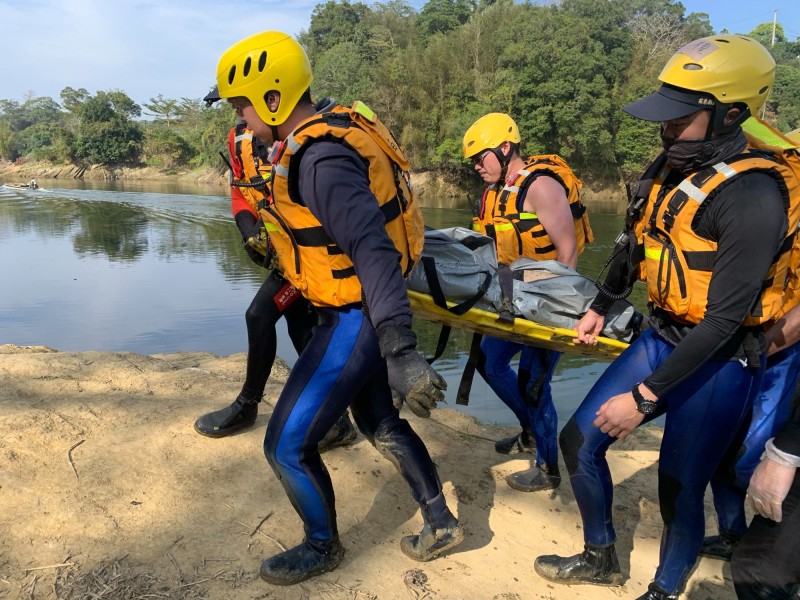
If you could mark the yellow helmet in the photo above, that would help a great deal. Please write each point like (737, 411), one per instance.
(725, 69)
(732, 68)
(266, 61)
(489, 132)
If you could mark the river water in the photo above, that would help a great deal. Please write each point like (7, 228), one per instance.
(156, 268)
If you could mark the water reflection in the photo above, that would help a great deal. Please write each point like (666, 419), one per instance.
(121, 266)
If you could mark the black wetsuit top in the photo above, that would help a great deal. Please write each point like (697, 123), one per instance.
(747, 219)
(334, 183)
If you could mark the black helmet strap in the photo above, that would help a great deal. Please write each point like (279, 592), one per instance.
(717, 124)
(503, 159)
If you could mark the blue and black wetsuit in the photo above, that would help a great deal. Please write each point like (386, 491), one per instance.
(700, 374)
(342, 364)
(527, 393)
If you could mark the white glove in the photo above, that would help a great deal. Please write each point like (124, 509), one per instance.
(770, 483)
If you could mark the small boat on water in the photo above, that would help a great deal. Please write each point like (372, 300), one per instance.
(31, 185)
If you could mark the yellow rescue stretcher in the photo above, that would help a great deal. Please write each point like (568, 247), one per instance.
(520, 330)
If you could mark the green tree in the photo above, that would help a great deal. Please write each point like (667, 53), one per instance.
(333, 23)
(164, 147)
(190, 112)
(210, 137)
(8, 142)
(162, 108)
(657, 28)
(563, 100)
(561, 69)
(71, 98)
(763, 33)
(32, 126)
(340, 72)
(106, 132)
(784, 102)
(441, 16)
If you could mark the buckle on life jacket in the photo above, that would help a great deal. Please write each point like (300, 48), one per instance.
(752, 350)
(341, 120)
(276, 152)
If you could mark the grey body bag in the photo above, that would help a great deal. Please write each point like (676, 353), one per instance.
(459, 265)
(551, 293)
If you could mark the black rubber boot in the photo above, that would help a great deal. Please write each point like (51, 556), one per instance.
(301, 562)
(341, 434)
(656, 593)
(441, 532)
(719, 546)
(240, 414)
(597, 565)
(521, 443)
(535, 479)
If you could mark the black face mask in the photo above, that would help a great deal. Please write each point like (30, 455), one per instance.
(692, 155)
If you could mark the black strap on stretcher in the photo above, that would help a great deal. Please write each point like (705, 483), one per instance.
(506, 316)
(429, 267)
(465, 386)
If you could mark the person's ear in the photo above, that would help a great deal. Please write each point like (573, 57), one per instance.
(732, 115)
(273, 100)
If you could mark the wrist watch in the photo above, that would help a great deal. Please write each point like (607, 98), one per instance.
(643, 405)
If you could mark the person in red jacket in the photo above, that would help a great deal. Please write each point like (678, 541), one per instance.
(276, 298)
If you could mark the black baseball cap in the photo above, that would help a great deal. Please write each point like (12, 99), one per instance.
(669, 102)
(212, 96)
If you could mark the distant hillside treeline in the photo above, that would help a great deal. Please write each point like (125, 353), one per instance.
(561, 70)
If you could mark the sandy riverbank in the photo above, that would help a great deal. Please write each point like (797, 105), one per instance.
(107, 492)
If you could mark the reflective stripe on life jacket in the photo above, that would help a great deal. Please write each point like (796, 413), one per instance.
(678, 263)
(519, 233)
(309, 258)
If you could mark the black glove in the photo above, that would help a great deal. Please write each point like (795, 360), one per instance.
(410, 375)
(256, 241)
(245, 222)
(258, 258)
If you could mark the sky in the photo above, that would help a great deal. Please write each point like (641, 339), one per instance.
(171, 47)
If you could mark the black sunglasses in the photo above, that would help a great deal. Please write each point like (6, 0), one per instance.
(478, 159)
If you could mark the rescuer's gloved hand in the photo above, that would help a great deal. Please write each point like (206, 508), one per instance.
(260, 259)
(410, 375)
(255, 238)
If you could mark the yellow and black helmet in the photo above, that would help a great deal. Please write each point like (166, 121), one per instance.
(264, 62)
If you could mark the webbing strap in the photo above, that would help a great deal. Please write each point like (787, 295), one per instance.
(429, 267)
(441, 343)
(465, 385)
(506, 279)
(317, 236)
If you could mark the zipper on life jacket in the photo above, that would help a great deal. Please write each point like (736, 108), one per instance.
(670, 253)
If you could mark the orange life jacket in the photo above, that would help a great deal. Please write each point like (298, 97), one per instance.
(678, 263)
(255, 168)
(521, 233)
(308, 257)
